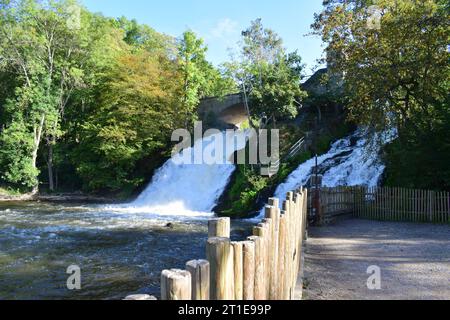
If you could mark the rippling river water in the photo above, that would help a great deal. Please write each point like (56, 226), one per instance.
(119, 253)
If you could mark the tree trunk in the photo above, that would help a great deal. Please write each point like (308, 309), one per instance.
(37, 142)
(319, 113)
(336, 110)
(51, 184)
(247, 108)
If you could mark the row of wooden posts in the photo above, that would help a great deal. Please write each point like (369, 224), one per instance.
(264, 267)
(384, 203)
(401, 204)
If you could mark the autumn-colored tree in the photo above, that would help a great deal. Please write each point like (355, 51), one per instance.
(137, 111)
(393, 55)
(79, 90)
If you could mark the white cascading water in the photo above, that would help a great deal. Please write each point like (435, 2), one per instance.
(179, 189)
(351, 161)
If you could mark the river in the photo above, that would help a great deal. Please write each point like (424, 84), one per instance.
(119, 253)
(120, 249)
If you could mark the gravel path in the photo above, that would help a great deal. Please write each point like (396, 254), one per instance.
(414, 260)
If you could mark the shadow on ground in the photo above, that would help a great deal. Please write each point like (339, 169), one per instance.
(414, 260)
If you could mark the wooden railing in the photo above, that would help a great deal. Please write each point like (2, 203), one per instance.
(400, 204)
(264, 267)
(387, 204)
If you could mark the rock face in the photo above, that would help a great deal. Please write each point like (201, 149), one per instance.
(324, 92)
(324, 83)
(314, 85)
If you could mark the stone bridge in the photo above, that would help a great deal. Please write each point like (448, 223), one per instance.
(228, 111)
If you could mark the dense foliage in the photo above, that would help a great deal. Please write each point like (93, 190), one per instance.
(84, 98)
(268, 74)
(89, 102)
(393, 57)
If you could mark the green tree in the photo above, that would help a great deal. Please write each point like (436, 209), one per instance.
(279, 96)
(16, 147)
(269, 75)
(192, 63)
(140, 36)
(396, 70)
(45, 44)
(261, 45)
(200, 78)
(136, 114)
(89, 98)
(393, 56)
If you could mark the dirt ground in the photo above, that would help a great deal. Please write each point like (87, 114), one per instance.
(414, 260)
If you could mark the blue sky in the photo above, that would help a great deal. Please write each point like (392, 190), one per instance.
(220, 22)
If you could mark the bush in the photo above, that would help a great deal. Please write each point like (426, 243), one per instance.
(16, 146)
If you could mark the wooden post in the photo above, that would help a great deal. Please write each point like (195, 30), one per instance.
(176, 285)
(200, 272)
(220, 256)
(297, 238)
(267, 224)
(273, 214)
(282, 259)
(416, 205)
(249, 270)
(220, 228)
(305, 215)
(274, 202)
(431, 196)
(292, 244)
(260, 281)
(288, 251)
(238, 270)
(262, 230)
(412, 201)
(426, 205)
(299, 235)
(290, 196)
(447, 203)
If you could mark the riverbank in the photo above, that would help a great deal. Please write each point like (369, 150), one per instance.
(59, 197)
(4, 197)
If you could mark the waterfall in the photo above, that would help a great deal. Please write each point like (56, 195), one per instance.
(351, 161)
(180, 189)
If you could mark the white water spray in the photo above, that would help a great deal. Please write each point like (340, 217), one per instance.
(352, 161)
(179, 189)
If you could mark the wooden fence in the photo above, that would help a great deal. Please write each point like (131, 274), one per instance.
(264, 267)
(400, 204)
(386, 204)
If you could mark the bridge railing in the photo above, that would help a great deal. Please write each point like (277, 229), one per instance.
(275, 166)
